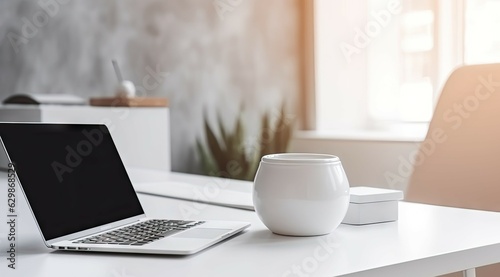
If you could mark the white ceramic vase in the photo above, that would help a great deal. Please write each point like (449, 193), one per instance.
(301, 194)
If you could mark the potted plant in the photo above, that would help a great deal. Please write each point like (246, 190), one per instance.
(229, 156)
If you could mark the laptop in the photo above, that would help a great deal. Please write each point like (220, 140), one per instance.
(83, 200)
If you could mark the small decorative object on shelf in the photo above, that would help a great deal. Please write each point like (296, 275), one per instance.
(125, 88)
(125, 95)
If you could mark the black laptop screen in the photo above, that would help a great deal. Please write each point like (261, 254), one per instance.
(71, 174)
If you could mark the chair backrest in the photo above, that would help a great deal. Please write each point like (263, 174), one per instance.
(459, 161)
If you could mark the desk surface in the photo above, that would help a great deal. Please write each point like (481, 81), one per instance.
(426, 241)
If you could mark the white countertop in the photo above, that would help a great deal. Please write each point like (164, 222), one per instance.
(426, 241)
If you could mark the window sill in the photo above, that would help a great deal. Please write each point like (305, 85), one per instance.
(396, 133)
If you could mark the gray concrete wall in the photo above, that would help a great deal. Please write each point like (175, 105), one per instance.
(210, 56)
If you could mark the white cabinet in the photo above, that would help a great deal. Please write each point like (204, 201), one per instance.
(142, 135)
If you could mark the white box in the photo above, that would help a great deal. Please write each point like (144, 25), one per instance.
(372, 205)
(141, 134)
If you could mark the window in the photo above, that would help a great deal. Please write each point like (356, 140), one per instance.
(384, 62)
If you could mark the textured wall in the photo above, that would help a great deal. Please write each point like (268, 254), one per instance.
(211, 56)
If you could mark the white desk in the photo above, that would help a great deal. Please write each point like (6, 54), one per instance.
(426, 241)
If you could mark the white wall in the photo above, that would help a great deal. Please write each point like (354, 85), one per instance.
(366, 162)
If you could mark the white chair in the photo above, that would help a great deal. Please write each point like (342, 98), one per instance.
(459, 161)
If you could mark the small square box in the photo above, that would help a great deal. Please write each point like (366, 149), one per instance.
(372, 205)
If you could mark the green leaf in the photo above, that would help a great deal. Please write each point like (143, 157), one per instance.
(279, 133)
(215, 148)
(287, 135)
(225, 138)
(207, 162)
(265, 137)
(238, 133)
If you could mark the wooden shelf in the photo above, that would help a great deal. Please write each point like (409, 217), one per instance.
(129, 102)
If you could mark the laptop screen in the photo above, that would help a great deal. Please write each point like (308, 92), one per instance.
(72, 176)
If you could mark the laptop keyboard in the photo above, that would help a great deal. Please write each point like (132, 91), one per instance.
(141, 233)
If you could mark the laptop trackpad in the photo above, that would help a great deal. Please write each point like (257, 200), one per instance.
(202, 233)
